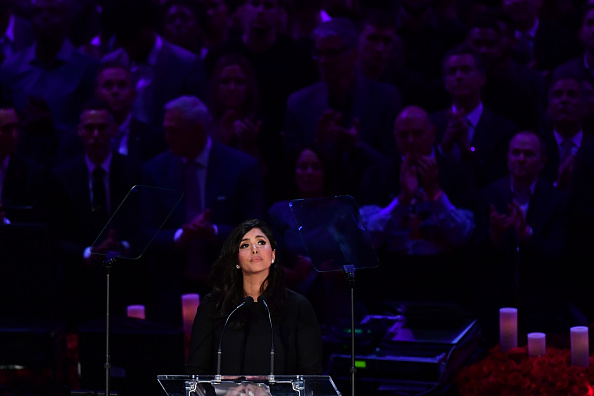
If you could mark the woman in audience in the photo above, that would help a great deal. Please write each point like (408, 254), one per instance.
(311, 179)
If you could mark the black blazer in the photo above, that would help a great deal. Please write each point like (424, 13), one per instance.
(297, 341)
(490, 140)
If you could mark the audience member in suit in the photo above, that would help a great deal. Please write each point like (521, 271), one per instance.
(17, 33)
(521, 235)
(49, 81)
(582, 67)
(380, 57)
(427, 226)
(222, 186)
(214, 20)
(181, 25)
(86, 192)
(22, 188)
(345, 108)
(162, 71)
(540, 44)
(564, 136)
(281, 64)
(513, 91)
(469, 130)
(134, 138)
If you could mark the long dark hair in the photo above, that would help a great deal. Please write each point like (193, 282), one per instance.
(227, 281)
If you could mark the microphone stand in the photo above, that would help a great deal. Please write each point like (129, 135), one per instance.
(350, 272)
(107, 263)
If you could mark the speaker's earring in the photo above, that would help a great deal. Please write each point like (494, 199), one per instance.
(237, 266)
(272, 261)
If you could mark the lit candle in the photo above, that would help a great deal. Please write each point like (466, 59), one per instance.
(537, 345)
(136, 311)
(190, 303)
(580, 350)
(508, 329)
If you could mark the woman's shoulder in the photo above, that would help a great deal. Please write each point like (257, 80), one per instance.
(294, 298)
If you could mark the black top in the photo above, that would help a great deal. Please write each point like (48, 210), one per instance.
(246, 351)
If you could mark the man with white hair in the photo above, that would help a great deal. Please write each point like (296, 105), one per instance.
(222, 186)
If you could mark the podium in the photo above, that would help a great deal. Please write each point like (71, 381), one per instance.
(281, 385)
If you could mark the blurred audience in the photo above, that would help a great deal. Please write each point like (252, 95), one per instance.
(539, 44)
(86, 191)
(428, 223)
(48, 81)
(162, 71)
(520, 238)
(23, 188)
(222, 186)
(302, 99)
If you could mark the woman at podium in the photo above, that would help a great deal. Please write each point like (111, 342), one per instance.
(250, 316)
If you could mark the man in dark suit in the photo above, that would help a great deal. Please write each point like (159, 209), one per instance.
(17, 32)
(22, 190)
(521, 236)
(86, 192)
(513, 91)
(135, 138)
(583, 65)
(564, 136)
(222, 186)
(345, 107)
(469, 130)
(48, 82)
(540, 44)
(162, 71)
(428, 222)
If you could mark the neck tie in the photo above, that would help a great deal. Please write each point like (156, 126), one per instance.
(566, 150)
(193, 191)
(196, 265)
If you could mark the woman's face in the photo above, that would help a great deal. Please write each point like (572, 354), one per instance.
(309, 174)
(255, 253)
(232, 86)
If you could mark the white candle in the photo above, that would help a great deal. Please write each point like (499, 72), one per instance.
(136, 311)
(508, 329)
(190, 303)
(580, 350)
(537, 345)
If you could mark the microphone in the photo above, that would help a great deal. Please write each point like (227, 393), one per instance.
(271, 376)
(247, 300)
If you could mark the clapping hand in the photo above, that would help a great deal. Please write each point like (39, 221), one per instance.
(110, 243)
(331, 131)
(409, 181)
(199, 227)
(501, 222)
(428, 174)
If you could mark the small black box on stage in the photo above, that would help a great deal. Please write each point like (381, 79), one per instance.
(140, 350)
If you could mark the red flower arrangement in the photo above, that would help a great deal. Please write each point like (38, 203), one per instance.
(515, 374)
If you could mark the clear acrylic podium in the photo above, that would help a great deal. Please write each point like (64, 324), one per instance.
(206, 385)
